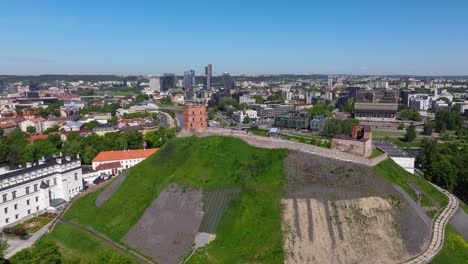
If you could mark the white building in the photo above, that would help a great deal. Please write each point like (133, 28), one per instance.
(127, 158)
(37, 123)
(155, 84)
(246, 99)
(241, 115)
(32, 188)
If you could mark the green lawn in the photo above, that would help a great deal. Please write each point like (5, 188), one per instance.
(463, 205)
(393, 173)
(375, 153)
(455, 249)
(77, 246)
(259, 132)
(250, 230)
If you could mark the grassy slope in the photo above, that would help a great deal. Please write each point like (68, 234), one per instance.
(250, 230)
(80, 247)
(396, 174)
(455, 248)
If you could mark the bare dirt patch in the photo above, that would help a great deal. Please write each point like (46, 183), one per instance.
(342, 212)
(168, 227)
(346, 231)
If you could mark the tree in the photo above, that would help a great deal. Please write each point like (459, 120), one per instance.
(259, 99)
(401, 126)
(338, 127)
(427, 153)
(320, 109)
(448, 119)
(407, 114)
(42, 252)
(427, 129)
(443, 173)
(2, 132)
(134, 139)
(31, 129)
(410, 133)
(90, 125)
(247, 120)
(54, 128)
(3, 248)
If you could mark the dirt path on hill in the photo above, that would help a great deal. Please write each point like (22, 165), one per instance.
(107, 193)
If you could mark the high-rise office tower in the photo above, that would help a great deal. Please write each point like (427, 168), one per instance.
(169, 81)
(228, 82)
(189, 79)
(2, 86)
(208, 75)
(330, 82)
(155, 84)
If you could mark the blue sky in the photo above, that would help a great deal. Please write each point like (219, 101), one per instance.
(256, 36)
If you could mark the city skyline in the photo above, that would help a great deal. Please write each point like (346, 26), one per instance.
(365, 38)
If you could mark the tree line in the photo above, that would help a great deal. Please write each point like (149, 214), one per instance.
(16, 149)
(445, 165)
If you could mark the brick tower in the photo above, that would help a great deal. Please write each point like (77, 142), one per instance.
(194, 116)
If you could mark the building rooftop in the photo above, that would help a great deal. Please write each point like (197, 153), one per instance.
(124, 154)
(391, 149)
(108, 166)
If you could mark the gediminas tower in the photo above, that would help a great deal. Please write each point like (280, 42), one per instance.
(194, 116)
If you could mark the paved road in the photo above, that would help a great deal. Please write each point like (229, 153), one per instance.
(438, 230)
(16, 244)
(414, 205)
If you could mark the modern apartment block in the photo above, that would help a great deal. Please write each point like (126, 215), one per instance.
(34, 187)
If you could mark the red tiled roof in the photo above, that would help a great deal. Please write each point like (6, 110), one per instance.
(107, 166)
(7, 125)
(38, 119)
(35, 137)
(124, 154)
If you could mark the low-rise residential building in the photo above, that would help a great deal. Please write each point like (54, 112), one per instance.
(240, 116)
(34, 187)
(127, 158)
(37, 123)
(72, 126)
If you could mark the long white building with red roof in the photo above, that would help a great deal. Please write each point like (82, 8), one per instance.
(126, 158)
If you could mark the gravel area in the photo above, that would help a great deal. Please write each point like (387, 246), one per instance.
(167, 230)
(110, 190)
(459, 221)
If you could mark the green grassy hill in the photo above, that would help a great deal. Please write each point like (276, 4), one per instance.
(250, 230)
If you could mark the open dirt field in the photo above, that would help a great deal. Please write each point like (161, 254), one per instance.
(167, 230)
(346, 231)
(342, 212)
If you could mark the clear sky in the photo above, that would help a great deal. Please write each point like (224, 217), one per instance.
(257, 36)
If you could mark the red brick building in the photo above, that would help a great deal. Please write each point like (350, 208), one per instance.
(194, 116)
(359, 143)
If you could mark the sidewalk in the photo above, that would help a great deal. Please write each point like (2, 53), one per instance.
(16, 244)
